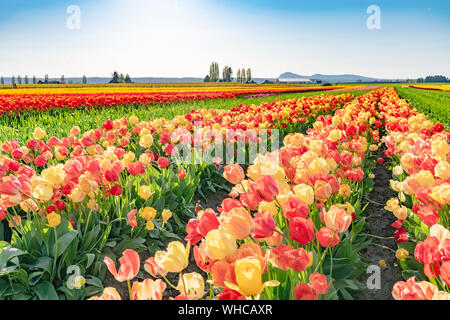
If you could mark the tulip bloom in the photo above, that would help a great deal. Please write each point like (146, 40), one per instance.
(285, 257)
(337, 219)
(325, 237)
(148, 289)
(295, 207)
(249, 277)
(234, 173)
(175, 259)
(229, 294)
(10, 186)
(221, 272)
(109, 293)
(207, 221)
(129, 266)
(428, 251)
(192, 285)
(220, 244)
(304, 291)
(266, 187)
(319, 283)
(153, 268)
(264, 225)
(302, 230)
(238, 223)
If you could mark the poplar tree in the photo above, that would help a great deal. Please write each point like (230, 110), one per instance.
(2, 80)
(34, 80)
(19, 79)
(63, 79)
(238, 76)
(84, 80)
(249, 75)
(26, 79)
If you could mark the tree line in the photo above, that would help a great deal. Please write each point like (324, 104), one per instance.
(433, 79)
(242, 75)
(116, 78)
(35, 81)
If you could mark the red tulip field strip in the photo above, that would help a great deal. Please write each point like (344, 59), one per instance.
(14, 103)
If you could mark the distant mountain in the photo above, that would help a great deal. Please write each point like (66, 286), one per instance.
(334, 78)
(290, 75)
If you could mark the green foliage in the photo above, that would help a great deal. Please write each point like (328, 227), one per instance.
(435, 104)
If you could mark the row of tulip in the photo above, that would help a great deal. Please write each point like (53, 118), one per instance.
(72, 200)
(419, 153)
(16, 103)
(290, 228)
(143, 88)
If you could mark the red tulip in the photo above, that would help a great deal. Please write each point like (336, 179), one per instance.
(266, 187)
(264, 225)
(163, 162)
(319, 283)
(129, 266)
(304, 291)
(302, 230)
(10, 186)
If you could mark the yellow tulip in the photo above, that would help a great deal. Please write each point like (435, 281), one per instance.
(53, 220)
(145, 192)
(39, 133)
(249, 277)
(43, 191)
(175, 259)
(148, 213)
(192, 286)
(220, 244)
(146, 141)
(305, 193)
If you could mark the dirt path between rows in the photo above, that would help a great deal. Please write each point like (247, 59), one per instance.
(380, 220)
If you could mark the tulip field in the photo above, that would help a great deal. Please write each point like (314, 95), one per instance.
(124, 193)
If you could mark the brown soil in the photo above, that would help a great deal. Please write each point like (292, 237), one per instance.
(379, 224)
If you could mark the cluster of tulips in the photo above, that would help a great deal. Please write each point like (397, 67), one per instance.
(82, 168)
(419, 151)
(289, 211)
(123, 171)
(15, 103)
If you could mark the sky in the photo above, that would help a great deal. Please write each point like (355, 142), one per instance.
(180, 38)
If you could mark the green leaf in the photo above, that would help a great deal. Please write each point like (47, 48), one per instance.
(4, 285)
(46, 291)
(42, 263)
(65, 240)
(8, 253)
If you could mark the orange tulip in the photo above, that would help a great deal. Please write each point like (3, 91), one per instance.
(337, 219)
(154, 269)
(129, 266)
(148, 289)
(238, 223)
(109, 293)
(234, 173)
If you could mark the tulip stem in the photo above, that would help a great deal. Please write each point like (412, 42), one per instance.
(372, 235)
(381, 246)
(129, 289)
(56, 252)
(170, 283)
(184, 284)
